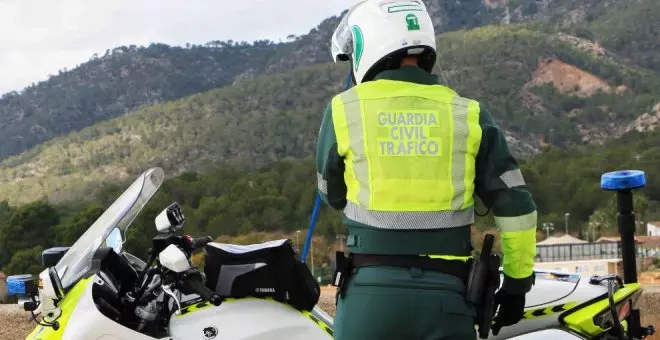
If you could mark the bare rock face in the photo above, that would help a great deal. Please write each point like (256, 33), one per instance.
(568, 79)
(496, 3)
(646, 122)
(586, 45)
(599, 133)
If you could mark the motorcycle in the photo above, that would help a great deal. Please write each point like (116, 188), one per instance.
(96, 290)
(568, 306)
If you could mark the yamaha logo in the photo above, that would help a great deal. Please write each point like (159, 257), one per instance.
(265, 290)
(210, 332)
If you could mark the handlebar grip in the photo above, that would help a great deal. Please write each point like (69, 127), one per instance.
(194, 243)
(199, 288)
(199, 242)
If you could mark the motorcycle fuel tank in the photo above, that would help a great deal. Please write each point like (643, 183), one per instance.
(246, 319)
(550, 287)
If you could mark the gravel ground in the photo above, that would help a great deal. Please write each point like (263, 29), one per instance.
(327, 301)
(14, 324)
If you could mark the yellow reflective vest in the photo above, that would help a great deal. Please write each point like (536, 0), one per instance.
(409, 153)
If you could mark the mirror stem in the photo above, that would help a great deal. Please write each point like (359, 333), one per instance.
(143, 273)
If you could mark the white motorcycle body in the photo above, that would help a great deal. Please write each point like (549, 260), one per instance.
(86, 322)
(240, 319)
(552, 294)
(247, 319)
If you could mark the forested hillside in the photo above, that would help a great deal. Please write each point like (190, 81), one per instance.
(569, 180)
(119, 81)
(125, 78)
(542, 87)
(277, 199)
(632, 30)
(562, 77)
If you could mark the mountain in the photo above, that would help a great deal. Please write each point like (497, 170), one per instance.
(574, 84)
(543, 86)
(126, 78)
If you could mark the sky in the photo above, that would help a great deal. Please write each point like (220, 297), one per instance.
(38, 38)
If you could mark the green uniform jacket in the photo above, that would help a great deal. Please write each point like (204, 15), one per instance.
(498, 184)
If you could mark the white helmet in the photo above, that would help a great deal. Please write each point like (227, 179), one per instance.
(376, 34)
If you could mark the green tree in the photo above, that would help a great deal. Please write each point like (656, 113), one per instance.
(605, 217)
(27, 261)
(72, 227)
(29, 226)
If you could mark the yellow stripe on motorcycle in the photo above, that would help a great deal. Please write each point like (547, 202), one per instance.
(546, 311)
(582, 320)
(194, 308)
(68, 305)
(319, 322)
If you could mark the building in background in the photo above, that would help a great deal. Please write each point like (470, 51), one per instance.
(653, 229)
(573, 255)
(586, 268)
(570, 254)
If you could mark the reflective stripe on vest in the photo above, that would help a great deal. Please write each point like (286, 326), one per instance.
(410, 153)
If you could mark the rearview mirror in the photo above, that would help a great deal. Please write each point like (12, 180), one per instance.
(51, 256)
(114, 240)
(171, 219)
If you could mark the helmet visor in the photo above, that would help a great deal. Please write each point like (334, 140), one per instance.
(342, 41)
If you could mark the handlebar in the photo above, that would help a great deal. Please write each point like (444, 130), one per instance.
(190, 282)
(199, 242)
(197, 287)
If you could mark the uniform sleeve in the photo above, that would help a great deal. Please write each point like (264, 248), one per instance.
(329, 165)
(501, 187)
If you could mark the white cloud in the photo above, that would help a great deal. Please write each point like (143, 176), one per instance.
(40, 37)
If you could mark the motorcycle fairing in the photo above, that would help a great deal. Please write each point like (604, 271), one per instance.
(581, 318)
(67, 305)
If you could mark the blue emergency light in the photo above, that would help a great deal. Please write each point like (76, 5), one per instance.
(17, 285)
(623, 180)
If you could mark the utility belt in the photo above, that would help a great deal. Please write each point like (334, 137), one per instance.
(481, 276)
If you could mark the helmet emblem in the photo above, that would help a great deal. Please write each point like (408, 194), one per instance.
(413, 22)
(358, 40)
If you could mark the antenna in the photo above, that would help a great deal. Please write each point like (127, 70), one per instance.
(445, 76)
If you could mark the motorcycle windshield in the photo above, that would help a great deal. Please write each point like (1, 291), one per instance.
(78, 259)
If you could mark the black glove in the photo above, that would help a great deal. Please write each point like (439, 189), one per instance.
(511, 309)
